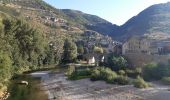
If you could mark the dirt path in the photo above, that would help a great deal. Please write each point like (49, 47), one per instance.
(59, 88)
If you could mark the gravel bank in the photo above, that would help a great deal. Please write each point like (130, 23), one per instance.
(59, 88)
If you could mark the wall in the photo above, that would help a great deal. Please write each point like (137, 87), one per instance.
(140, 59)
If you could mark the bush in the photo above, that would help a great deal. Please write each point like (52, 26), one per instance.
(80, 74)
(1, 86)
(140, 83)
(102, 73)
(122, 80)
(156, 71)
(117, 62)
(133, 72)
(121, 72)
(166, 80)
(70, 70)
(83, 72)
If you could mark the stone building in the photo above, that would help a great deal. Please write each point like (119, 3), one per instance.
(160, 47)
(136, 45)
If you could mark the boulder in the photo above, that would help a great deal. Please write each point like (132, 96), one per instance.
(23, 82)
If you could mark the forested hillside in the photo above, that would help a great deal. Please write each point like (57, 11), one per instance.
(32, 34)
(22, 48)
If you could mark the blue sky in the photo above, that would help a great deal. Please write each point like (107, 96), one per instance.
(115, 11)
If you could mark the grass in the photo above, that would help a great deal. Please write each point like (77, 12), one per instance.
(32, 91)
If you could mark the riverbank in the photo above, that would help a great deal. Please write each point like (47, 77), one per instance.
(32, 91)
(59, 88)
(54, 85)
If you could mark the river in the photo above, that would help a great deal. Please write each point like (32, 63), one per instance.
(47, 85)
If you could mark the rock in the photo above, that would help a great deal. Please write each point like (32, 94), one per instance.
(23, 82)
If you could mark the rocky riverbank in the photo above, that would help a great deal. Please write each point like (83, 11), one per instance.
(59, 88)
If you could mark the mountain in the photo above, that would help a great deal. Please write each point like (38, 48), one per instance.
(153, 22)
(91, 22)
(74, 18)
(72, 23)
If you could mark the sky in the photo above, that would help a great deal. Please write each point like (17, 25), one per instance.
(115, 11)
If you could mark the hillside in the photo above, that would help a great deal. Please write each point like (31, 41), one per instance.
(33, 35)
(39, 13)
(90, 22)
(153, 22)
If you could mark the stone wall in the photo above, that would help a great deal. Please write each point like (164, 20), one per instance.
(140, 59)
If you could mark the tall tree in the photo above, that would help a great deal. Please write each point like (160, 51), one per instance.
(70, 51)
(80, 49)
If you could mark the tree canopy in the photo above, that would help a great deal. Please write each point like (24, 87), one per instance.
(70, 51)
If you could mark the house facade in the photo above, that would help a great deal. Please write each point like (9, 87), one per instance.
(136, 45)
(160, 47)
(91, 60)
(146, 46)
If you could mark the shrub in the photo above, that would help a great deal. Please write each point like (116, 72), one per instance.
(134, 72)
(117, 62)
(122, 80)
(102, 73)
(95, 74)
(83, 72)
(1, 86)
(140, 83)
(166, 80)
(70, 70)
(80, 74)
(121, 72)
(156, 71)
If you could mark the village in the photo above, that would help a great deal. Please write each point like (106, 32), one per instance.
(53, 53)
(133, 48)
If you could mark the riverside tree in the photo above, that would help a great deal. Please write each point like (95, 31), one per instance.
(70, 51)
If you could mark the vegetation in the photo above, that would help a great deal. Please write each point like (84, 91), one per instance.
(133, 72)
(79, 74)
(166, 80)
(140, 83)
(117, 62)
(80, 49)
(5, 69)
(156, 71)
(122, 80)
(22, 48)
(70, 51)
(98, 50)
(70, 70)
(122, 72)
(103, 73)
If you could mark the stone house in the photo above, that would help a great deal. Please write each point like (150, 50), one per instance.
(146, 46)
(95, 58)
(91, 60)
(118, 49)
(160, 47)
(136, 45)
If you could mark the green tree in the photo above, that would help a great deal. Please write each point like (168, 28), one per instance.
(70, 51)
(5, 67)
(117, 62)
(98, 50)
(80, 49)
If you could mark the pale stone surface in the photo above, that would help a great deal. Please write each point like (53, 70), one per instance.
(59, 88)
